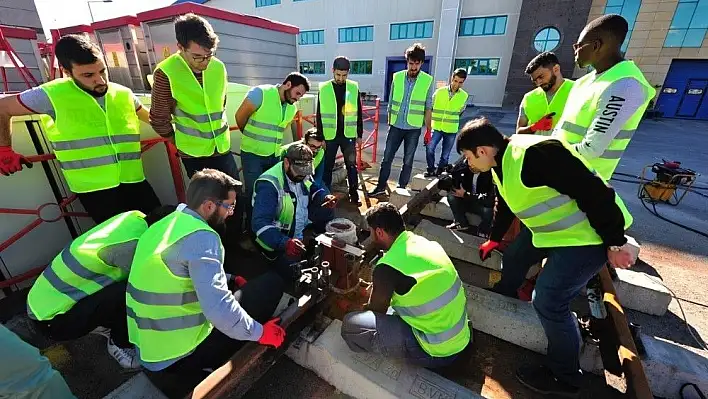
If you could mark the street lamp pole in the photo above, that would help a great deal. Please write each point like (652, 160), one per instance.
(88, 3)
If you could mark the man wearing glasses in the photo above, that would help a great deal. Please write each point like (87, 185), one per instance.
(316, 141)
(189, 89)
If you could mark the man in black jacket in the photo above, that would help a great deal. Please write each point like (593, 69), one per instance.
(470, 192)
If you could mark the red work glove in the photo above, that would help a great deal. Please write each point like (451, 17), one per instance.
(11, 162)
(239, 281)
(427, 137)
(294, 248)
(543, 124)
(273, 334)
(485, 250)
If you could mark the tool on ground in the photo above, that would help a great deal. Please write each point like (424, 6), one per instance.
(670, 183)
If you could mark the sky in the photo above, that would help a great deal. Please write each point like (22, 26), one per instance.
(63, 13)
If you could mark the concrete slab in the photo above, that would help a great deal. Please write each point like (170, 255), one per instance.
(668, 366)
(138, 387)
(639, 291)
(372, 376)
(458, 245)
(400, 196)
(419, 181)
(442, 210)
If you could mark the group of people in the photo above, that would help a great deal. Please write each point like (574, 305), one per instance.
(151, 278)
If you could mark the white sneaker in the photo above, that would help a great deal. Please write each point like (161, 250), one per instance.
(126, 357)
(102, 331)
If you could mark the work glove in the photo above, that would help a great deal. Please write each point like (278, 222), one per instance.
(427, 137)
(11, 162)
(273, 334)
(239, 281)
(485, 250)
(543, 124)
(294, 248)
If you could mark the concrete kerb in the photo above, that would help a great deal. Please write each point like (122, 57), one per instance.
(138, 387)
(638, 291)
(458, 245)
(668, 366)
(371, 376)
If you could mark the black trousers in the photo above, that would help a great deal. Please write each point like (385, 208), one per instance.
(106, 308)
(259, 298)
(104, 204)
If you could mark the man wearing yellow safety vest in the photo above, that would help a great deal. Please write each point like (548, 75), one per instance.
(316, 141)
(409, 109)
(605, 106)
(418, 280)
(449, 103)
(93, 127)
(542, 107)
(570, 216)
(284, 202)
(83, 289)
(189, 99)
(339, 117)
(178, 291)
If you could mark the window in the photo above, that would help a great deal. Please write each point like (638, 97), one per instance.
(688, 28)
(265, 3)
(483, 26)
(478, 66)
(629, 10)
(312, 68)
(412, 30)
(547, 39)
(360, 68)
(356, 34)
(311, 37)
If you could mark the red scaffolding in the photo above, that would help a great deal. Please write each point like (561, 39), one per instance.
(5, 47)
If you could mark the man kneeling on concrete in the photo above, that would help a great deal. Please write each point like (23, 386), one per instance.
(285, 199)
(316, 141)
(177, 289)
(83, 289)
(570, 216)
(469, 192)
(417, 279)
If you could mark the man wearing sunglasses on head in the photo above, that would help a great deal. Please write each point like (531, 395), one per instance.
(316, 141)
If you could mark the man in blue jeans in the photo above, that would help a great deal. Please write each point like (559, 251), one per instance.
(570, 216)
(410, 107)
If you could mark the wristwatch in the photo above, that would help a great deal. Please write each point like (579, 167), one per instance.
(614, 248)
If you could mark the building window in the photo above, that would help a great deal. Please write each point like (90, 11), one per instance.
(483, 26)
(688, 28)
(629, 10)
(311, 37)
(312, 68)
(361, 67)
(412, 30)
(265, 3)
(356, 34)
(547, 39)
(478, 66)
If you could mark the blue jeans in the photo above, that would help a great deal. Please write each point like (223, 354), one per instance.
(460, 206)
(567, 271)
(448, 140)
(348, 147)
(387, 335)
(396, 136)
(253, 167)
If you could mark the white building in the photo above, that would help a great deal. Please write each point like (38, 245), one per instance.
(373, 34)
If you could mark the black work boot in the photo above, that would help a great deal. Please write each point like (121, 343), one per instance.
(539, 378)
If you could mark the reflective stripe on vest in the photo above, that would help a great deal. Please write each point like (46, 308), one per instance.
(95, 149)
(536, 106)
(165, 318)
(418, 96)
(446, 110)
(554, 219)
(263, 134)
(201, 128)
(329, 111)
(435, 307)
(286, 203)
(80, 269)
(582, 106)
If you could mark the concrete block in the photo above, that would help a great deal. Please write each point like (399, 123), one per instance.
(638, 291)
(364, 375)
(419, 181)
(138, 387)
(442, 210)
(400, 197)
(668, 366)
(458, 245)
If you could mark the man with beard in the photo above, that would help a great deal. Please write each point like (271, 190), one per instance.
(285, 199)
(542, 107)
(417, 279)
(262, 117)
(409, 109)
(177, 290)
(604, 107)
(93, 126)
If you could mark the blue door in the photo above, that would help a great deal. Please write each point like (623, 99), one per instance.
(692, 98)
(395, 64)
